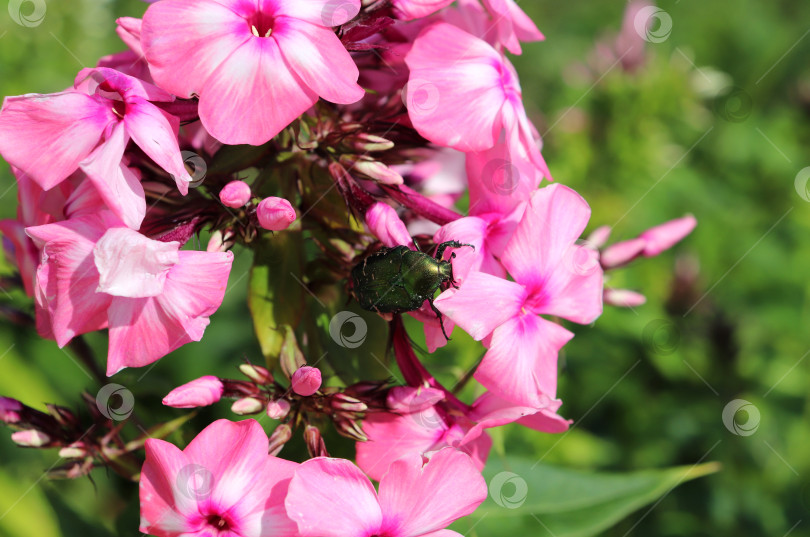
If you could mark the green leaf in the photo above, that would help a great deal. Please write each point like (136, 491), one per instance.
(526, 498)
(275, 296)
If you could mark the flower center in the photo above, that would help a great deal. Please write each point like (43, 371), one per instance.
(216, 521)
(261, 25)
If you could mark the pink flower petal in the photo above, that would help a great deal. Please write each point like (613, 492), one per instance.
(253, 95)
(68, 124)
(186, 41)
(166, 510)
(132, 265)
(318, 57)
(118, 186)
(155, 132)
(521, 364)
(482, 304)
(68, 277)
(332, 498)
(555, 218)
(320, 12)
(416, 500)
(416, 9)
(392, 436)
(455, 90)
(621, 253)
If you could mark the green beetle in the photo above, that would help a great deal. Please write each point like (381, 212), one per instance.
(396, 280)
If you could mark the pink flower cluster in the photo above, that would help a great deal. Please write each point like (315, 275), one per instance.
(403, 106)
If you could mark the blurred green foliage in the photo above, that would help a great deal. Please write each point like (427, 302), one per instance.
(714, 123)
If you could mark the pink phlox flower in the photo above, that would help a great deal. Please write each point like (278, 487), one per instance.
(333, 498)
(553, 276)
(256, 66)
(222, 484)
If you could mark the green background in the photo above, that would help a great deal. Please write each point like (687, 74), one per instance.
(715, 123)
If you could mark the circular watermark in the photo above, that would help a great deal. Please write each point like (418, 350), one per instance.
(427, 418)
(653, 24)
(734, 105)
(508, 490)
(195, 482)
(337, 12)
(421, 97)
(581, 259)
(356, 334)
(802, 178)
(28, 13)
(741, 417)
(198, 167)
(500, 177)
(115, 402)
(661, 337)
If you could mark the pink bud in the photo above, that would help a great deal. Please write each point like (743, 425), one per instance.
(256, 373)
(621, 253)
(386, 225)
(306, 380)
(73, 452)
(379, 172)
(203, 391)
(235, 194)
(623, 298)
(275, 214)
(598, 237)
(10, 410)
(247, 405)
(30, 438)
(278, 409)
(663, 237)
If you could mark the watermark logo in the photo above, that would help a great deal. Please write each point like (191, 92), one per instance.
(734, 105)
(508, 490)
(661, 337)
(500, 177)
(28, 13)
(741, 417)
(198, 167)
(653, 24)
(195, 482)
(115, 402)
(800, 183)
(356, 333)
(421, 97)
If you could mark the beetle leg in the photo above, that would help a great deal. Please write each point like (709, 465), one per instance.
(441, 319)
(449, 244)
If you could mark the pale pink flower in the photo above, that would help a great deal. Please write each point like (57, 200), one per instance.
(416, 9)
(464, 94)
(235, 194)
(621, 253)
(512, 25)
(306, 380)
(275, 214)
(223, 484)
(256, 66)
(199, 392)
(30, 438)
(553, 275)
(333, 498)
(623, 298)
(91, 126)
(154, 298)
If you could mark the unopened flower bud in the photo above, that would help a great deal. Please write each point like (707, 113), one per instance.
(280, 436)
(10, 410)
(378, 171)
(623, 298)
(203, 391)
(235, 194)
(256, 373)
(370, 142)
(666, 235)
(275, 214)
(314, 441)
(247, 405)
(621, 253)
(73, 452)
(345, 403)
(386, 225)
(62, 415)
(598, 237)
(306, 380)
(278, 409)
(350, 429)
(30, 438)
